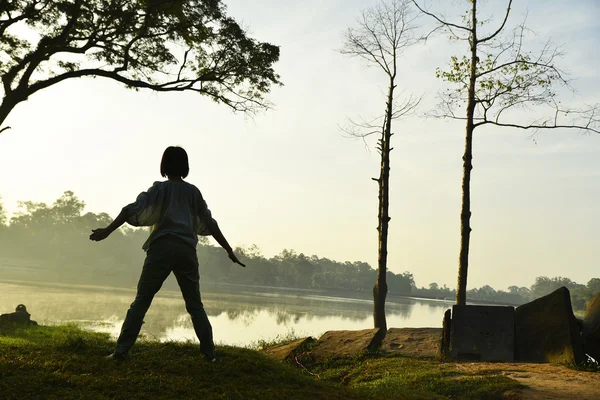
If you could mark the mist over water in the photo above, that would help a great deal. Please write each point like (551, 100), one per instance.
(239, 315)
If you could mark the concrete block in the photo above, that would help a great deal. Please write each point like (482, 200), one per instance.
(482, 333)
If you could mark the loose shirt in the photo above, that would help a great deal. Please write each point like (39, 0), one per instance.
(171, 208)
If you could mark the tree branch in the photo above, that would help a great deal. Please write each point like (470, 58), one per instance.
(439, 19)
(493, 35)
(542, 126)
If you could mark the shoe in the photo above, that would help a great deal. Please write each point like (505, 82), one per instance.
(210, 359)
(116, 357)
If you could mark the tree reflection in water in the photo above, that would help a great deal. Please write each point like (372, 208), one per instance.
(240, 315)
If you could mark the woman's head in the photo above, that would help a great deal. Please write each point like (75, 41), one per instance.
(174, 162)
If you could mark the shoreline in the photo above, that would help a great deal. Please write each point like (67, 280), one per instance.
(221, 287)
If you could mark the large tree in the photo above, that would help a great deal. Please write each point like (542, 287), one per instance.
(380, 38)
(497, 80)
(162, 45)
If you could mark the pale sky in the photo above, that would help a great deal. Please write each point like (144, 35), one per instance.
(289, 178)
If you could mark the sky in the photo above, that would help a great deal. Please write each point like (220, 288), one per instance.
(290, 179)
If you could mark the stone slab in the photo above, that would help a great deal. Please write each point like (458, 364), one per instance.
(412, 342)
(335, 344)
(591, 328)
(546, 330)
(286, 352)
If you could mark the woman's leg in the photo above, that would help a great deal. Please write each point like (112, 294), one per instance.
(188, 278)
(156, 269)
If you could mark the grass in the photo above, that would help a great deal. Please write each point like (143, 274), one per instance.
(66, 362)
(279, 339)
(587, 366)
(386, 377)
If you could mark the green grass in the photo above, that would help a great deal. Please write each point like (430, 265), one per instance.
(386, 377)
(587, 366)
(66, 362)
(279, 339)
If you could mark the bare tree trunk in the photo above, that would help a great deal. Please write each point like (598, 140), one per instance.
(380, 290)
(465, 214)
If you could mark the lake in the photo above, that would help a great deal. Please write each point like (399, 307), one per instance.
(240, 315)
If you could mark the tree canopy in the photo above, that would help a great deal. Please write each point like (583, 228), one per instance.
(167, 45)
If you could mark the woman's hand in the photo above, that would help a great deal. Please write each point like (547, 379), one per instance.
(100, 234)
(234, 258)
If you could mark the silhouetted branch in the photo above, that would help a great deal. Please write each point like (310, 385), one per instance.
(364, 128)
(493, 35)
(445, 23)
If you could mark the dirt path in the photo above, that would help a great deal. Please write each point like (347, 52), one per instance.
(543, 381)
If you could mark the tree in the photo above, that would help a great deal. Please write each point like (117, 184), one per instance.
(593, 285)
(166, 46)
(67, 208)
(2, 214)
(495, 80)
(382, 35)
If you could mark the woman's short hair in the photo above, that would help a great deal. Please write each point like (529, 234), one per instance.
(174, 162)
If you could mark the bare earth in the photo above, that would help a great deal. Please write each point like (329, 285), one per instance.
(543, 381)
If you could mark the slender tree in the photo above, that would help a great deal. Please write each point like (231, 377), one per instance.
(497, 79)
(166, 46)
(382, 35)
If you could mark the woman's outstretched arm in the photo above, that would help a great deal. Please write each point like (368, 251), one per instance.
(103, 233)
(218, 235)
(142, 212)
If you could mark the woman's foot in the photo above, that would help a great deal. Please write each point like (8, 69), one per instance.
(116, 357)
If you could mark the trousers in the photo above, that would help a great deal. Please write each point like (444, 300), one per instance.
(165, 255)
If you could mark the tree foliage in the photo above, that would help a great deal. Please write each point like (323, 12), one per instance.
(2, 214)
(170, 45)
(509, 79)
(543, 285)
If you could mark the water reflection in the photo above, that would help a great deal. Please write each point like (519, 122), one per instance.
(239, 315)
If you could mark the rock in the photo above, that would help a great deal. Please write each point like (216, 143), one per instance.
(591, 328)
(288, 351)
(546, 330)
(482, 333)
(334, 344)
(412, 342)
(18, 318)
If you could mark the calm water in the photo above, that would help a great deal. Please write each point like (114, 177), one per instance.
(239, 315)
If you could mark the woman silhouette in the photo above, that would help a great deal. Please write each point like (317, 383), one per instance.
(177, 213)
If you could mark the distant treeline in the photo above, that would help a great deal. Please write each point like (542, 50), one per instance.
(50, 242)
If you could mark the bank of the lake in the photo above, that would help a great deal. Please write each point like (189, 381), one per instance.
(66, 362)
